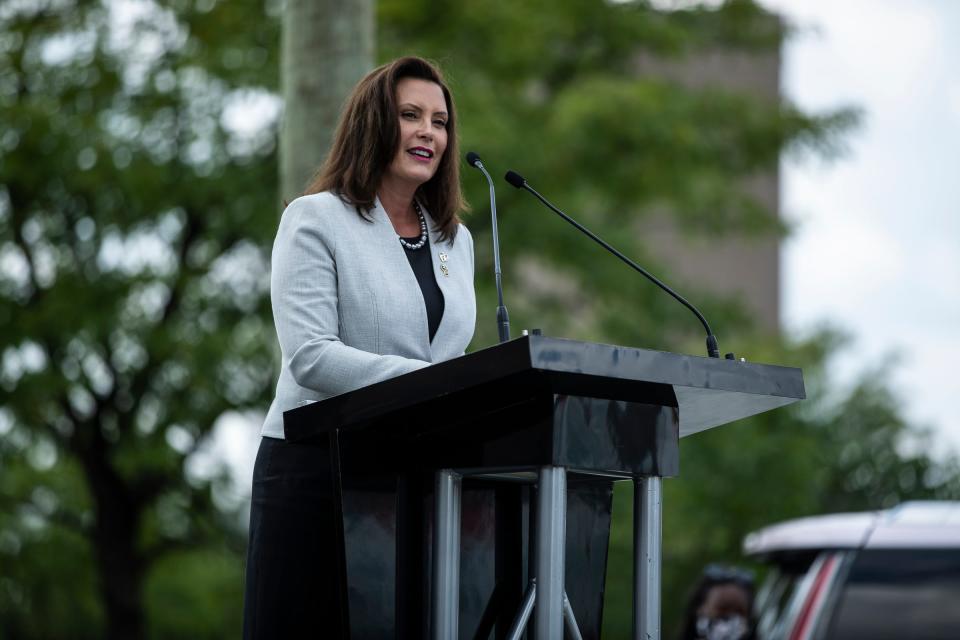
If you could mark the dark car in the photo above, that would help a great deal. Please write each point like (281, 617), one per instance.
(892, 574)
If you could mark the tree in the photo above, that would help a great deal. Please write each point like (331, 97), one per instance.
(138, 202)
(133, 226)
(327, 47)
(552, 91)
(840, 450)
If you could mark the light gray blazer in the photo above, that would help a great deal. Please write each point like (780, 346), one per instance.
(347, 306)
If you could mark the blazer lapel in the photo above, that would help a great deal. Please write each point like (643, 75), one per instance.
(440, 270)
(400, 268)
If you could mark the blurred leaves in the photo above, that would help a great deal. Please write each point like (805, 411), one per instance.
(137, 207)
(843, 449)
(136, 212)
(589, 101)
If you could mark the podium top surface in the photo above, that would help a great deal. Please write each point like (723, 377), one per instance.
(708, 392)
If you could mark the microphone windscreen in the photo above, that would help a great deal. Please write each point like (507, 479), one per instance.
(472, 158)
(515, 179)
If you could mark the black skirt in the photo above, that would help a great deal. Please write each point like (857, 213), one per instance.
(292, 580)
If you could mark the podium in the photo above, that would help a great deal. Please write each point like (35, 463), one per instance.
(473, 497)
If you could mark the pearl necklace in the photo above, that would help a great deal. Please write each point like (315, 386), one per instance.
(423, 231)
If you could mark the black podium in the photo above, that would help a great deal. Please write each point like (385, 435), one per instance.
(472, 498)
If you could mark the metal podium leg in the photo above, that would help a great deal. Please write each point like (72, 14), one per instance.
(570, 620)
(523, 616)
(647, 549)
(551, 533)
(446, 556)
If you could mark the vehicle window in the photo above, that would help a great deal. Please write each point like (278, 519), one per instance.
(894, 594)
(774, 596)
(771, 600)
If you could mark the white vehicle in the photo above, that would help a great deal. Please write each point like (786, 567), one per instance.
(877, 575)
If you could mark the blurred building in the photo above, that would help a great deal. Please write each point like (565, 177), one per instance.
(746, 268)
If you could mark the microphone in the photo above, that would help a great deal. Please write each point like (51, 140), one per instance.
(503, 319)
(713, 349)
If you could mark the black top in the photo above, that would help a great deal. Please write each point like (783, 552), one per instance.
(422, 265)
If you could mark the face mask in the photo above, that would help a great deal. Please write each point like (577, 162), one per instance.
(730, 628)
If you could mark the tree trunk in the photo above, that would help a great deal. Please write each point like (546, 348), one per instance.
(122, 574)
(327, 45)
(121, 566)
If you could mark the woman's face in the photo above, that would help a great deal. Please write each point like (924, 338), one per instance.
(423, 131)
(724, 613)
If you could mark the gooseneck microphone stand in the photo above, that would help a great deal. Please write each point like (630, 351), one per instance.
(713, 349)
(503, 319)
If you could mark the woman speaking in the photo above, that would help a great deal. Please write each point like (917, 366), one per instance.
(372, 277)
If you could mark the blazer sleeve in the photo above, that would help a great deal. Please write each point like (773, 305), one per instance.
(303, 293)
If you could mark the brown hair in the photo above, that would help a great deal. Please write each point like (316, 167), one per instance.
(367, 139)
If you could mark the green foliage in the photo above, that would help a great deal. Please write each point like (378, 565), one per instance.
(559, 93)
(589, 101)
(195, 595)
(135, 224)
(46, 580)
(850, 451)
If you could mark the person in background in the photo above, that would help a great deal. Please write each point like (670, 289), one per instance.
(720, 606)
(371, 278)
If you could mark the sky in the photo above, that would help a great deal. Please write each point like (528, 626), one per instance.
(875, 249)
(876, 246)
